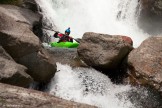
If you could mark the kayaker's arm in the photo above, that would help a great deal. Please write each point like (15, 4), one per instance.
(55, 35)
(59, 32)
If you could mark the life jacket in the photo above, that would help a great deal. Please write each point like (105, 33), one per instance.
(66, 38)
(63, 37)
(60, 35)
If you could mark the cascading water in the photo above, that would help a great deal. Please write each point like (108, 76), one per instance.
(114, 17)
(89, 86)
(104, 16)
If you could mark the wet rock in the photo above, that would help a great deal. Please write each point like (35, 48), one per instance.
(145, 66)
(15, 34)
(104, 51)
(41, 65)
(142, 97)
(11, 96)
(67, 56)
(11, 72)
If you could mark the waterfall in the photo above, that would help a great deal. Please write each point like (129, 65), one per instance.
(114, 17)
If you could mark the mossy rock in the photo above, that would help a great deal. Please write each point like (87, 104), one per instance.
(13, 2)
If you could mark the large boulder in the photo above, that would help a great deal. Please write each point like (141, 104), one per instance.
(16, 97)
(15, 33)
(41, 65)
(22, 44)
(104, 51)
(145, 63)
(11, 72)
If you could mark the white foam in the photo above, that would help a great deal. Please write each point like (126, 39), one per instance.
(88, 86)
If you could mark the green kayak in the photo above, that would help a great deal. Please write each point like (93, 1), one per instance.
(65, 44)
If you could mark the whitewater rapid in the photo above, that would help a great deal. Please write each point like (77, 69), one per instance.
(86, 85)
(114, 17)
(89, 86)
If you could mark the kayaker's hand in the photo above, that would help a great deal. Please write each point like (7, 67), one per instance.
(55, 35)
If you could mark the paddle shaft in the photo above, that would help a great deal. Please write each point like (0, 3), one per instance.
(62, 33)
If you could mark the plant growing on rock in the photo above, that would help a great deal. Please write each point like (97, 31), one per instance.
(13, 2)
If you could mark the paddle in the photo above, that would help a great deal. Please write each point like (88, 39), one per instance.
(62, 33)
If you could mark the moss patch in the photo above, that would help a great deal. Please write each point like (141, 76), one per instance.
(13, 2)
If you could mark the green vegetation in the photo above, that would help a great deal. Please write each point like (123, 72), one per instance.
(13, 2)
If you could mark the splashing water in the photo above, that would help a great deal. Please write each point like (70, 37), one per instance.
(88, 86)
(114, 17)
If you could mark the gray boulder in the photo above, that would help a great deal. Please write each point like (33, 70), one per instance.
(104, 51)
(11, 72)
(22, 44)
(15, 31)
(145, 63)
(41, 65)
(16, 97)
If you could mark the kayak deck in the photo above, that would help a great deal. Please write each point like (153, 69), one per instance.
(65, 44)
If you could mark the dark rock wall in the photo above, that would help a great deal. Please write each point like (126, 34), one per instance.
(150, 16)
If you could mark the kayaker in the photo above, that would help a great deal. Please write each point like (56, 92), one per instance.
(64, 37)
